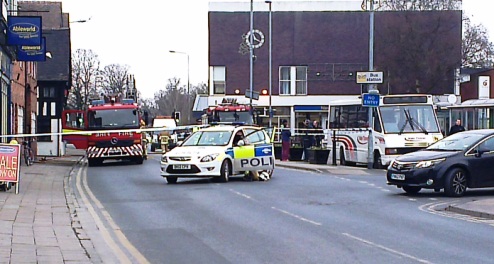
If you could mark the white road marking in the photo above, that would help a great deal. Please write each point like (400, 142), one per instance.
(81, 182)
(431, 208)
(297, 216)
(387, 249)
(241, 194)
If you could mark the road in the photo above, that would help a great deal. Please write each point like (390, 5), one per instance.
(297, 217)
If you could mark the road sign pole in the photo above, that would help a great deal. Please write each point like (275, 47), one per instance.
(370, 140)
(370, 100)
(370, 154)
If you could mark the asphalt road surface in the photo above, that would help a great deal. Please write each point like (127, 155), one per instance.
(297, 217)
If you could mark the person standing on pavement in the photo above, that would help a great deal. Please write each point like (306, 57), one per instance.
(308, 138)
(285, 141)
(318, 133)
(457, 127)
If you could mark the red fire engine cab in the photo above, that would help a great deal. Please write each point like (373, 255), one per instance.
(229, 111)
(107, 123)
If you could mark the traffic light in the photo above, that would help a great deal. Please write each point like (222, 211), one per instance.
(176, 116)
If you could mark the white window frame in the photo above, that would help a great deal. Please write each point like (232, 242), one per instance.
(217, 77)
(293, 81)
(20, 120)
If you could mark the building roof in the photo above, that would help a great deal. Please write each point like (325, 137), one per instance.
(50, 12)
(55, 26)
(286, 6)
(473, 71)
(58, 68)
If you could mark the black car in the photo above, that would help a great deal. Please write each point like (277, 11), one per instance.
(455, 163)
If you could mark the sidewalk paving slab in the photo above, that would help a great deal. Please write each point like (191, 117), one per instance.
(36, 225)
(483, 208)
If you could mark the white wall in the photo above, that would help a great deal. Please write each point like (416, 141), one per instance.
(55, 147)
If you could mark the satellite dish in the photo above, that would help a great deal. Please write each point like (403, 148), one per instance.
(452, 99)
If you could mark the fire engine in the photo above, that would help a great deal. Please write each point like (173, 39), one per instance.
(111, 124)
(229, 111)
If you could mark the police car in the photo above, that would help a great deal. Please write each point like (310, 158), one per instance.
(220, 152)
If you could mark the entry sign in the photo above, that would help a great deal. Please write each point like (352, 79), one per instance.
(370, 100)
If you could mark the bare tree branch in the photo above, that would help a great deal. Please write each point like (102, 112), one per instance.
(85, 66)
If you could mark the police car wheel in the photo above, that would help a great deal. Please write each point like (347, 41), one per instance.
(264, 176)
(225, 171)
(171, 179)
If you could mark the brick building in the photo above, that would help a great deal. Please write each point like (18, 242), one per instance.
(318, 47)
(54, 76)
(24, 98)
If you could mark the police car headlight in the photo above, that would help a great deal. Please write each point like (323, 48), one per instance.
(209, 158)
(164, 158)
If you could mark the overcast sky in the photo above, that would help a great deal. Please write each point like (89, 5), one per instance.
(141, 33)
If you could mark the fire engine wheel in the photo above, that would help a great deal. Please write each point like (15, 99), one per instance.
(225, 171)
(139, 160)
(171, 179)
(94, 162)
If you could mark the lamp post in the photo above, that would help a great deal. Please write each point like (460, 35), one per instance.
(270, 65)
(370, 149)
(188, 82)
(251, 55)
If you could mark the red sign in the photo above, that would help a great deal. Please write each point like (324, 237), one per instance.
(10, 161)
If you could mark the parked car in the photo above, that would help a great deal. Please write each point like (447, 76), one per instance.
(455, 163)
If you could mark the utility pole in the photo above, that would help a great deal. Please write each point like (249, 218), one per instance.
(251, 56)
(270, 64)
(371, 89)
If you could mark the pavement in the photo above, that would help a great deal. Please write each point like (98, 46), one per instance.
(41, 223)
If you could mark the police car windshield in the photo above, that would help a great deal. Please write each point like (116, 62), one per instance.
(208, 138)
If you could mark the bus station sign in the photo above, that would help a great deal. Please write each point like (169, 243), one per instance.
(369, 77)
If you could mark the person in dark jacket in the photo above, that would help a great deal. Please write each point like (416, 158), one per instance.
(318, 131)
(457, 127)
(308, 138)
(285, 141)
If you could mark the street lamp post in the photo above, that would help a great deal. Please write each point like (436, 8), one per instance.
(370, 149)
(270, 65)
(188, 83)
(251, 55)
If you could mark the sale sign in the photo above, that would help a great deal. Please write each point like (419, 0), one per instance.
(10, 162)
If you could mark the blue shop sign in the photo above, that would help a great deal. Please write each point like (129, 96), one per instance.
(308, 108)
(24, 30)
(32, 53)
